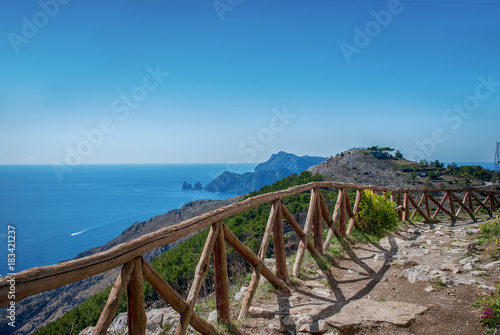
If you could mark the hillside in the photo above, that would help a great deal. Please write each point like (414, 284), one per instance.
(359, 166)
(371, 167)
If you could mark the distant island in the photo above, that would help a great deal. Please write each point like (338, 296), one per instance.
(189, 187)
(280, 165)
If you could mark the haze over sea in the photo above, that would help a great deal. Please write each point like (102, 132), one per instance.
(55, 220)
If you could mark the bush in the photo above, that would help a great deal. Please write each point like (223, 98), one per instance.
(490, 307)
(377, 214)
(490, 237)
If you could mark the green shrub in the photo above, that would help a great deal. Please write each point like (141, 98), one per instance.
(377, 214)
(490, 307)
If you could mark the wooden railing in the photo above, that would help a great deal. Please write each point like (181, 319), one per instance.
(135, 269)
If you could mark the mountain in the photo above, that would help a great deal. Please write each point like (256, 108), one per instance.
(280, 165)
(284, 160)
(247, 182)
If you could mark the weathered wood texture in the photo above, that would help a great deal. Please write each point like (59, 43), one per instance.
(221, 277)
(136, 309)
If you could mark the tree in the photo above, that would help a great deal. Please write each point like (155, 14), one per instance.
(398, 154)
(433, 174)
(413, 175)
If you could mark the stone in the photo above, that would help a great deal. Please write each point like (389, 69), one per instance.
(212, 316)
(491, 265)
(486, 287)
(162, 318)
(241, 294)
(365, 310)
(479, 273)
(468, 267)
(413, 231)
(406, 262)
(470, 259)
(447, 267)
(473, 231)
(318, 327)
(456, 270)
(87, 331)
(258, 312)
(322, 292)
(423, 273)
(429, 289)
(462, 281)
(119, 324)
(460, 244)
(439, 233)
(302, 319)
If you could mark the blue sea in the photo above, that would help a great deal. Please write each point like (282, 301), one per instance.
(55, 221)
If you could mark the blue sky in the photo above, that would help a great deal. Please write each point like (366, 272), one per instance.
(111, 82)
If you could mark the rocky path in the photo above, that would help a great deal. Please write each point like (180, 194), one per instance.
(420, 280)
(414, 282)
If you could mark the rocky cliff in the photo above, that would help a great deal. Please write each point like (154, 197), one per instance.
(280, 165)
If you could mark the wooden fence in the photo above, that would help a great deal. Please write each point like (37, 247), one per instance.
(135, 269)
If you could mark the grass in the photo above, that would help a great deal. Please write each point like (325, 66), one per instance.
(439, 285)
(490, 237)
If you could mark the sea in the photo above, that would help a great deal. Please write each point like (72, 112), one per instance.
(55, 220)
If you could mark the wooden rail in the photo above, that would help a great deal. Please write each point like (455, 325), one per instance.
(135, 269)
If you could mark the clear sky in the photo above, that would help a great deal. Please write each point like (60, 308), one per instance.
(90, 82)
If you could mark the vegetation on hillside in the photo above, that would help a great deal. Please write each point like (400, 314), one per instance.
(490, 302)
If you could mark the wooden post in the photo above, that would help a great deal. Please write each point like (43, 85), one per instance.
(343, 215)
(353, 212)
(248, 254)
(305, 239)
(427, 210)
(333, 229)
(450, 202)
(462, 205)
(298, 230)
(135, 300)
(221, 277)
(398, 203)
(417, 208)
(279, 244)
(470, 200)
(481, 204)
(199, 277)
(318, 224)
(108, 313)
(254, 282)
(325, 213)
(174, 299)
(440, 207)
(406, 210)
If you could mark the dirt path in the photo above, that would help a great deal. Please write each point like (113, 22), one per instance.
(369, 289)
